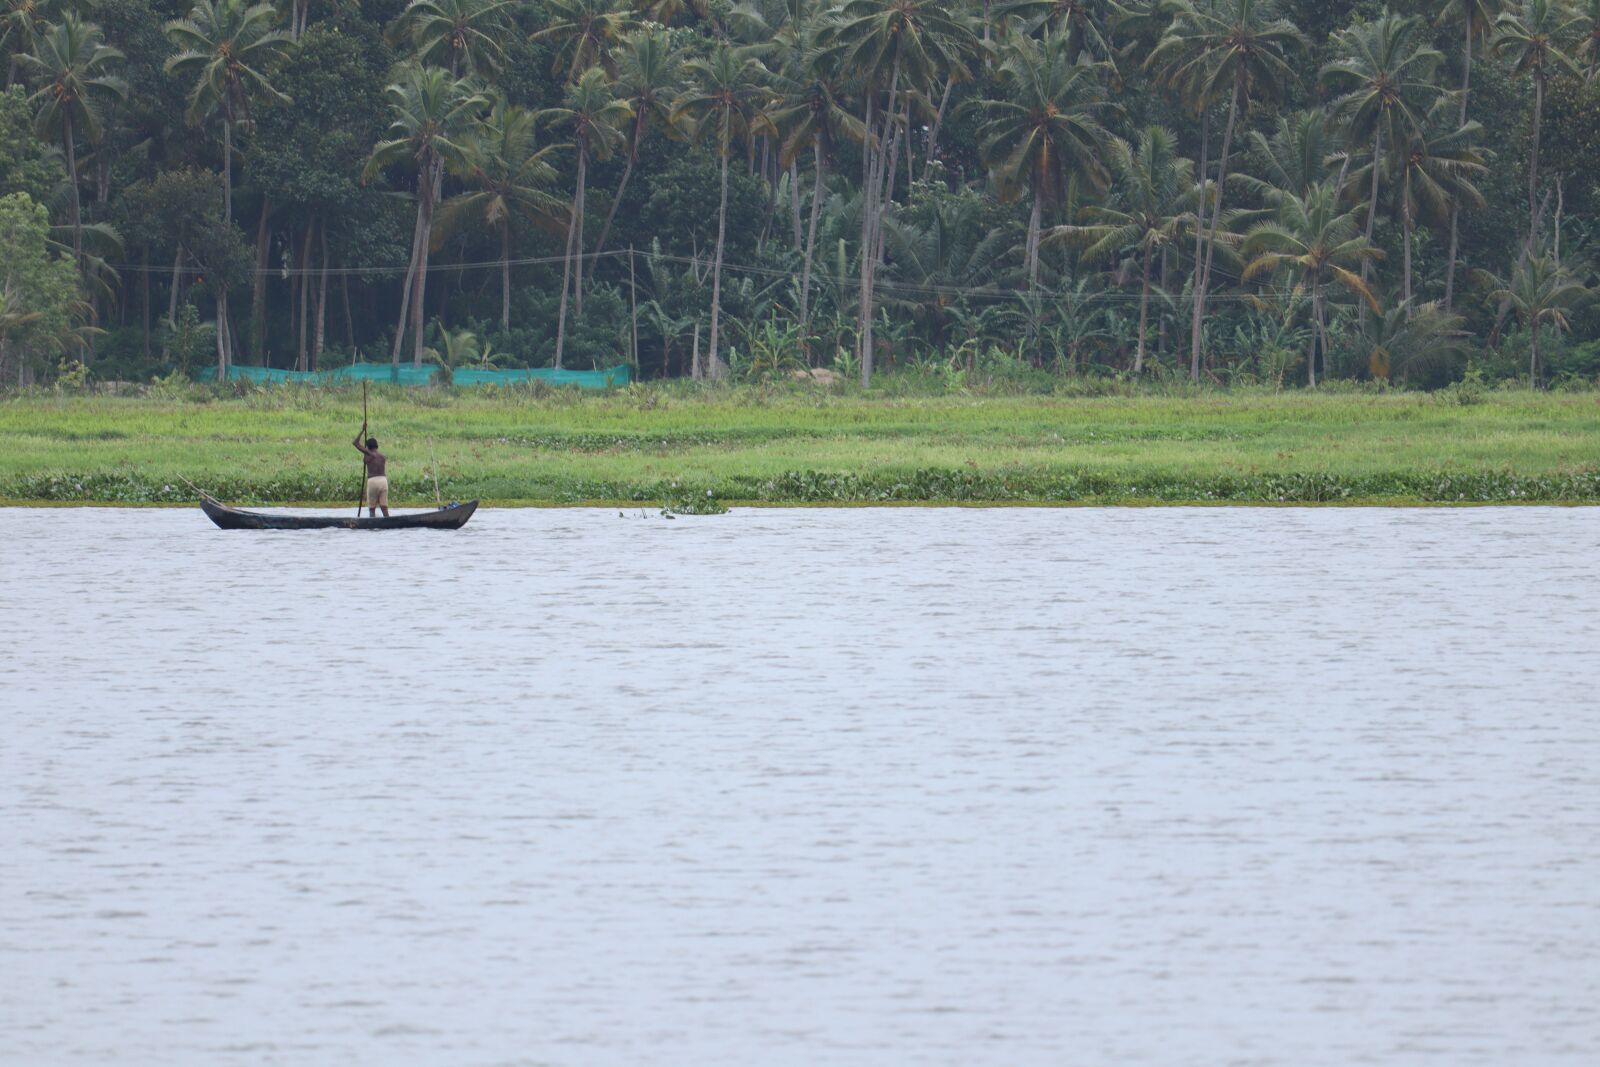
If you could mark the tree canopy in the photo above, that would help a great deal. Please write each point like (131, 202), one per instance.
(1132, 187)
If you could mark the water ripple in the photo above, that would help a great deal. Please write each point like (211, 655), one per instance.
(796, 787)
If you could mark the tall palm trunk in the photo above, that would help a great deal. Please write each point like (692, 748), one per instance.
(566, 262)
(1406, 286)
(577, 241)
(1372, 201)
(144, 287)
(1561, 209)
(227, 168)
(716, 270)
(876, 160)
(770, 179)
(1533, 171)
(303, 284)
(407, 287)
(258, 283)
(223, 338)
(1455, 202)
(869, 153)
(938, 121)
(1372, 208)
(1035, 324)
(886, 194)
(1216, 221)
(424, 239)
(1161, 281)
(911, 175)
(616, 201)
(1144, 313)
(794, 204)
(1199, 246)
(1034, 218)
(349, 321)
(1320, 313)
(172, 301)
(505, 274)
(1533, 356)
(811, 238)
(322, 298)
(75, 216)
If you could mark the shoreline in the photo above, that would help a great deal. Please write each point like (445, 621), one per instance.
(1132, 504)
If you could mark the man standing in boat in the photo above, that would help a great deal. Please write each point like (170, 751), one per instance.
(377, 475)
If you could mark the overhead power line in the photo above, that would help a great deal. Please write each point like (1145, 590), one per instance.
(883, 285)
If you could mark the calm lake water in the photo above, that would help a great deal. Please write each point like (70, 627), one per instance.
(1021, 787)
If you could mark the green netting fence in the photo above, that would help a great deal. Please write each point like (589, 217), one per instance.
(406, 374)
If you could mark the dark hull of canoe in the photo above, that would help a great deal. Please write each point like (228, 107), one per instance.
(448, 518)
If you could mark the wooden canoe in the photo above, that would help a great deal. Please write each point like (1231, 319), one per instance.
(449, 517)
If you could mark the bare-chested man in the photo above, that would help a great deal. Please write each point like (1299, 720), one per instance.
(377, 475)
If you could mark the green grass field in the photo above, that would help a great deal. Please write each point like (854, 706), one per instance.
(654, 446)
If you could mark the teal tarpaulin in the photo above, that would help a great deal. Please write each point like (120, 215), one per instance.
(406, 374)
(587, 379)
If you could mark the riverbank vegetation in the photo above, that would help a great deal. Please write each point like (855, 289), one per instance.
(1279, 191)
(793, 444)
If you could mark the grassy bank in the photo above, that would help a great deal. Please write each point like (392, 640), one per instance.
(651, 446)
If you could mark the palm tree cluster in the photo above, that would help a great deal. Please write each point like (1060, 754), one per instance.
(1124, 184)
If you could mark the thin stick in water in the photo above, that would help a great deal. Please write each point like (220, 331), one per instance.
(437, 499)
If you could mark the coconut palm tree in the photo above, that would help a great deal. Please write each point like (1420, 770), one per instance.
(881, 42)
(724, 101)
(226, 46)
(810, 112)
(1239, 48)
(779, 31)
(1311, 240)
(1475, 19)
(596, 119)
(1404, 340)
(1589, 47)
(936, 263)
(21, 23)
(432, 119)
(1083, 24)
(583, 32)
(1385, 78)
(513, 176)
(1537, 36)
(101, 246)
(1149, 211)
(664, 11)
(463, 36)
(778, 24)
(1296, 155)
(73, 66)
(1433, 173)
(1543, 293)
(1046, 130)
(648, 75)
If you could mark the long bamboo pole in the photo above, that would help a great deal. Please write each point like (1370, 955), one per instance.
(437, 499)
(361, 497)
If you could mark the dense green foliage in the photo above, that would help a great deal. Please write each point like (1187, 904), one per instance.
(37, 290)
(1263, 191)
(659, 443)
